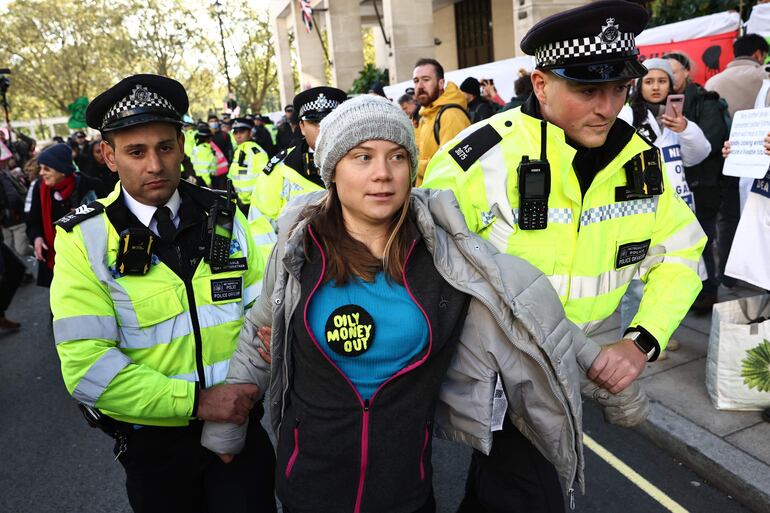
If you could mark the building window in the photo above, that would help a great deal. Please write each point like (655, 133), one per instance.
(473, 21)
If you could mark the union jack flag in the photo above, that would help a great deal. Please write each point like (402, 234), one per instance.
(307, 14)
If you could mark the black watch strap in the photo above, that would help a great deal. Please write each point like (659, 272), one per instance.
(645, 342)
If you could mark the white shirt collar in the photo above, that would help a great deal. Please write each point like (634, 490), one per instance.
(145, 213)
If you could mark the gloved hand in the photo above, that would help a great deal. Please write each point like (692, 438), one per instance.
(628, 408)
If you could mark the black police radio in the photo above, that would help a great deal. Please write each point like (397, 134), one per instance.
(219, 230)
(534, 187)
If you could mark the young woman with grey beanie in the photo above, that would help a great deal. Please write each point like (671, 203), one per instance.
(375, 295)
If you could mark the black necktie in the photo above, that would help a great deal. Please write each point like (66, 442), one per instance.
(166, 228)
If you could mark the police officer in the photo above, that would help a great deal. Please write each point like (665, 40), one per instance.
(264, 134)
(203, 156)
(563, 184)
(292, 172)
(248, 161)
(146, 316)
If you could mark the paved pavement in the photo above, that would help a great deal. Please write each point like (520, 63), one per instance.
(51, 461)
(730, 448)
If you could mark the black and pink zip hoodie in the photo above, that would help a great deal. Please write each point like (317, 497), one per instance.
(339, 453)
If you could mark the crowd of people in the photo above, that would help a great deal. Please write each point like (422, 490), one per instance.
(385, 271)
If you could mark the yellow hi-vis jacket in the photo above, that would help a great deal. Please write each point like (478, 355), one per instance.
(204, 162)
(137, 347)
(281, 180)
(248, 161)
(592, 246)
(189, 142)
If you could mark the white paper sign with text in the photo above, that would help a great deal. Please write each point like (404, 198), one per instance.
(747, 148)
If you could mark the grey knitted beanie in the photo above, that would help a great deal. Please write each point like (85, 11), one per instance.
(363, 118)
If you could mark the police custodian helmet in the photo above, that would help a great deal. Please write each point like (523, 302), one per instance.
(593, 43)
(136, 100)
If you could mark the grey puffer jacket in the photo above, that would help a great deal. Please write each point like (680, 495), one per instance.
(515, 326)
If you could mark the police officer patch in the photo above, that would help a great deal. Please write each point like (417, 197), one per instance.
(631, 253)
(226, 289)
(350, 330)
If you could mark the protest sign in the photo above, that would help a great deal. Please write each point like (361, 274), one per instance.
(747, 151)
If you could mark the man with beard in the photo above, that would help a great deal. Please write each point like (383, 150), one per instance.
(442, 112)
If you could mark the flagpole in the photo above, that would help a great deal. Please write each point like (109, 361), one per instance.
(323, 45)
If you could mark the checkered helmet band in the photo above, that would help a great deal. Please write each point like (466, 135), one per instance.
(562, 52)
(320, 104)
(140, 97)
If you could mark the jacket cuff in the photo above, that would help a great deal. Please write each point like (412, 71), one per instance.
(648, 339)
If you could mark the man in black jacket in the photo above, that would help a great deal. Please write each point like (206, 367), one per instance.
(479, 108)
(716, 196)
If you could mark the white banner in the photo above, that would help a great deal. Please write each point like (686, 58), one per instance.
(759, 21)
(504, 73)
(702, 26)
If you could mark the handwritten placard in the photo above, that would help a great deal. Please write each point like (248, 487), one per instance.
(747, 147)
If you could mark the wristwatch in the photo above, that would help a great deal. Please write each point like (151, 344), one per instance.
(642, 343)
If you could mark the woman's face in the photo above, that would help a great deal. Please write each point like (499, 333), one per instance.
(96, 151)
(50, 176)
(373, 182)
(655, 86)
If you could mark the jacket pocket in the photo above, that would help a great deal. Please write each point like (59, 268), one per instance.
(424, 452)
(295, 453)
(150, 310)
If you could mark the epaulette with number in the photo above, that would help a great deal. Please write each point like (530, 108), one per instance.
(274, 161)
(80, 214)
(473, 147)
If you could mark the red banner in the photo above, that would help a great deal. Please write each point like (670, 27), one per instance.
(709, 55)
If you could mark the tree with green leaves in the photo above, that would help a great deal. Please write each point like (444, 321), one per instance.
(671, 11)
(60, 50)
(249, 36)
(57, 50)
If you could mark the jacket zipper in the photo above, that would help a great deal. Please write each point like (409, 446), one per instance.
(364, 456)
(194, 318)
(365, 404)
(566, 407)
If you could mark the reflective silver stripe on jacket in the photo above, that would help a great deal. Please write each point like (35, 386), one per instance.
(617, 210)
(555, 215)
(604, 283)
(82, 327)
(99, 376)
(252, 292)
(263, 239)
(289, 188)
(94, 232)
(179, 326)
(684, 239)
(215, 373)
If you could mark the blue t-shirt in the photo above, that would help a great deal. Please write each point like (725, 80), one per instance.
(369, 330)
